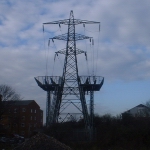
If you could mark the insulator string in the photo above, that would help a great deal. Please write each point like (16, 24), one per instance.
(86, 52)
(57, 56)
(97, 54)
(53, 67)
(93, 55)
(48, 50)
(61, 63)
(45, 53)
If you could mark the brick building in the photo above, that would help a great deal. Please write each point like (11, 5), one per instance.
(22, 117)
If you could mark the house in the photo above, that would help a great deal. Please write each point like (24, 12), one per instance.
(23, 117)
(138, 111)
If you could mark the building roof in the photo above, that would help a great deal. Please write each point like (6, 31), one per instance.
(19, 102)
(140, 105)
(24, 102)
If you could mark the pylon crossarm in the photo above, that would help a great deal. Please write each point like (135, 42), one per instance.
(65, 37)
(63, 51)
(75, 22)
(65, 21)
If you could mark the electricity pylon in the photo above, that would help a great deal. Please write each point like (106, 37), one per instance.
(70, 89)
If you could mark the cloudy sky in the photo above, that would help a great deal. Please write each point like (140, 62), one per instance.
(122, 55)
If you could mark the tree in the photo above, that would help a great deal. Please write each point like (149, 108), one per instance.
(146, 111)
(148, 103)
(7, 93)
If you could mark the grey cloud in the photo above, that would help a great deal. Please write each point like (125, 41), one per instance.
(123, 50)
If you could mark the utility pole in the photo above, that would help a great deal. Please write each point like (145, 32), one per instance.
(70, 89)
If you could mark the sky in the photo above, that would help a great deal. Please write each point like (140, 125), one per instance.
(121, 49)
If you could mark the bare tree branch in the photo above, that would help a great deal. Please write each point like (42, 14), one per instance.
(8, 93)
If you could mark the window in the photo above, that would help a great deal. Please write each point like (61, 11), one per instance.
(22, 125)
(34, 118)
(35, 111)
(31, 110)
(140, 110)
(31, 118)
(23, 117)
(23, 110)
(15, 110)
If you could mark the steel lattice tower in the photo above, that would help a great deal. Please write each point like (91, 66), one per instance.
(70, 88)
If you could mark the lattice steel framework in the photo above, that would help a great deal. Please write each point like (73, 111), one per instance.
(70, 89)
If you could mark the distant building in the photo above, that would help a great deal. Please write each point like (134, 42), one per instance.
(22, 117)
(138, 111)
